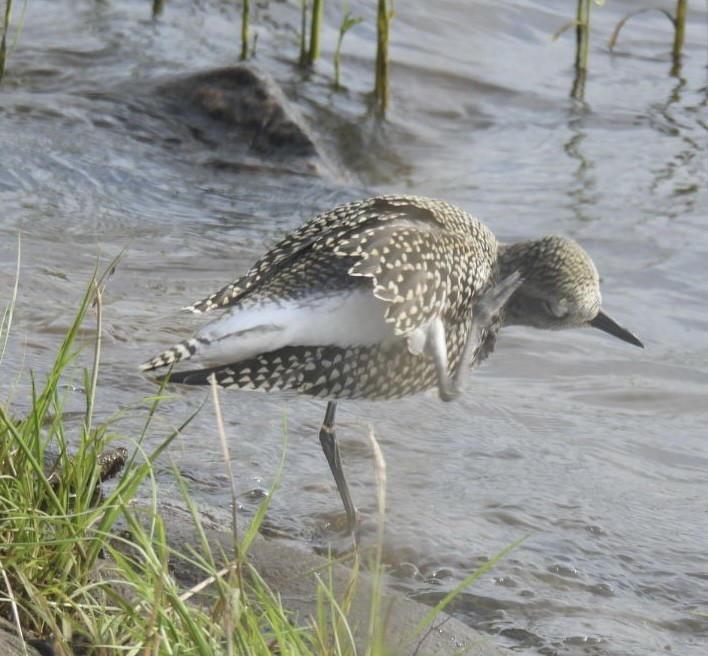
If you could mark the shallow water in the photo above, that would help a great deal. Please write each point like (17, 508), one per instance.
(594, 449)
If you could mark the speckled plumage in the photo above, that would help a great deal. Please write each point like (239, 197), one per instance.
(561, 285)
(422, 258)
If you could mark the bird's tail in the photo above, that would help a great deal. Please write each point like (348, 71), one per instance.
(182, 351)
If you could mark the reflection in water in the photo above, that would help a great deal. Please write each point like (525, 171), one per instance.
(685, 191)
(577, 91)
(584, 195)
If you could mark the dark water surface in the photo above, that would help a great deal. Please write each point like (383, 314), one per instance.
(594, 449)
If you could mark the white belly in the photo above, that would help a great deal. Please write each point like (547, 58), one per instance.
(343, 319)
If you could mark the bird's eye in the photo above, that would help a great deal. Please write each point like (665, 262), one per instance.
(557, 310)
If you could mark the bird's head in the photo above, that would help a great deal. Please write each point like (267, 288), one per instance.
(560, 289)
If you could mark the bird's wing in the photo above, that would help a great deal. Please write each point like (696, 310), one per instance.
(263, 269)
(285, 252)
(420, 271)
(277, 259)
(425, 233)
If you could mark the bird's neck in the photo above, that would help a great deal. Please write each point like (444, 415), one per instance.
(519, 256)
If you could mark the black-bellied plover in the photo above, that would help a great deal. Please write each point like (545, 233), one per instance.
(380, 299)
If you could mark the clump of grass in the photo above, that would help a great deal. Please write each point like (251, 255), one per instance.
(55, 524)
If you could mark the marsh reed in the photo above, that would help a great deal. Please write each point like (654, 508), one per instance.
(245, 18)
(678, 21)
(3, 39)
(581, 23)
(384, 17)
(348, 21)
(315, 29)
(157, 7)
(310, 52)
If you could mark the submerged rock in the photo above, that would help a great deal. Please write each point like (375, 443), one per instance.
(243, 115)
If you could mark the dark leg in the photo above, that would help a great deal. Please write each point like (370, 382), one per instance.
(328, 440)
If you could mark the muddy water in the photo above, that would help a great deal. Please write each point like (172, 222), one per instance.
(593, 449)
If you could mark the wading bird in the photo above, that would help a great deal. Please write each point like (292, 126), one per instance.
(380, 299)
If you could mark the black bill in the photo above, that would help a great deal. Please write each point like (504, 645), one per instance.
(609, 325)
